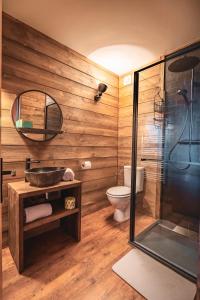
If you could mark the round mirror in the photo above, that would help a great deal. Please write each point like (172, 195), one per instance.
(37, 116)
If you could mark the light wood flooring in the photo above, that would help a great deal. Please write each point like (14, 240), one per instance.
(59, 268)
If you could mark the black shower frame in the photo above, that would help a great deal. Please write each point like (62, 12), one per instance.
(134, 159)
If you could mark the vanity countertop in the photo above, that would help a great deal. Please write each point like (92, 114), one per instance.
(24, 189)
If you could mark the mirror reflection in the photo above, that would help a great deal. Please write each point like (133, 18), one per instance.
(37, 116)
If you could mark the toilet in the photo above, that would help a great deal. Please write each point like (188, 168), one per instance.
(119, 196)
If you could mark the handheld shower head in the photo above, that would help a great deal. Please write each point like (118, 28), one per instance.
(183, 93)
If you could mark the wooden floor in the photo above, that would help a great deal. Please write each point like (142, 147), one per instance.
(58, 268)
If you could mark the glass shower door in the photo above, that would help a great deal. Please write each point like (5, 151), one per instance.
(167, 122)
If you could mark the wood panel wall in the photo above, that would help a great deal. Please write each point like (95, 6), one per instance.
(149, 134)
(33, 104)
(125, 124)
(0, 151)
(32, 60)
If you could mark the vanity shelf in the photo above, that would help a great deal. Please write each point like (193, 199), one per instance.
(59, 214)
(39, 131)
(20, 194)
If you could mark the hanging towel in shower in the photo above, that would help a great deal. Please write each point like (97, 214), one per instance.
(35, 212)
(69, 175)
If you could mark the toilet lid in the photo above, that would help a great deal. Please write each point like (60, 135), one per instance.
(119, 191)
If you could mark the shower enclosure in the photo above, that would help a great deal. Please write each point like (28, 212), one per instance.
(166, 142)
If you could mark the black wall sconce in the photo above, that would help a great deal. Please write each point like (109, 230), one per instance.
(101, 89)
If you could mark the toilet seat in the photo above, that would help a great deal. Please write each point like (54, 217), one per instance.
(119, 191)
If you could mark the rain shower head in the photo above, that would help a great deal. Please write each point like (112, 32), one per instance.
(183, 64)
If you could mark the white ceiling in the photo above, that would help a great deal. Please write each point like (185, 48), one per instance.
(119, 34)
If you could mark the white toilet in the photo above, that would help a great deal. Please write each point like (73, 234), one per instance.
(119, 196)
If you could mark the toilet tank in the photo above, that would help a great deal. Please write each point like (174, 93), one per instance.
(139, 178)
(127, 176)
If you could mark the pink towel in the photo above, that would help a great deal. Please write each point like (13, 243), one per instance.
(69, 175)
(38, 211)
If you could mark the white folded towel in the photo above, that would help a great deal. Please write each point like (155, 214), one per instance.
(35, 212)
(68, 175)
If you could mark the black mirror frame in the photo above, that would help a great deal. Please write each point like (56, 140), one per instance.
(23, 135)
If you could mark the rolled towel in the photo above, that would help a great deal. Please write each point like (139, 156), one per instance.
(68, 175)
(35, 212)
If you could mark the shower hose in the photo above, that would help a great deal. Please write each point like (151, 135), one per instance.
(189, 110)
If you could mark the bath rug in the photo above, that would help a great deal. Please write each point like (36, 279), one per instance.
(152, 279)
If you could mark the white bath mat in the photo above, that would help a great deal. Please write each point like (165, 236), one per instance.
(152, 279)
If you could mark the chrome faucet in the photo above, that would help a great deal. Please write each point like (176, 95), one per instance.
(28, 163)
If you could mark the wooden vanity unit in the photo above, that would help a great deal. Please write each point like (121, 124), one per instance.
(20, 193)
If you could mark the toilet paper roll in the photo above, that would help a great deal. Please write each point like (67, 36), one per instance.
(86, 165)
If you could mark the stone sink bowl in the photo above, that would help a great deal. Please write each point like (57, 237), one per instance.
(46, 176)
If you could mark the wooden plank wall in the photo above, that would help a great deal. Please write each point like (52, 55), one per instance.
(124, 125)
(149, 135)
(1, 296)
(31, 107)
(32, 60)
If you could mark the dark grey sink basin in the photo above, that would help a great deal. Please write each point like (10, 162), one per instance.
(44, 176)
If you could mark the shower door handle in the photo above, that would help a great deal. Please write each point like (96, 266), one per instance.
(151, 159)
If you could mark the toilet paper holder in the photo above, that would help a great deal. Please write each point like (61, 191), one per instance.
(86, 165)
